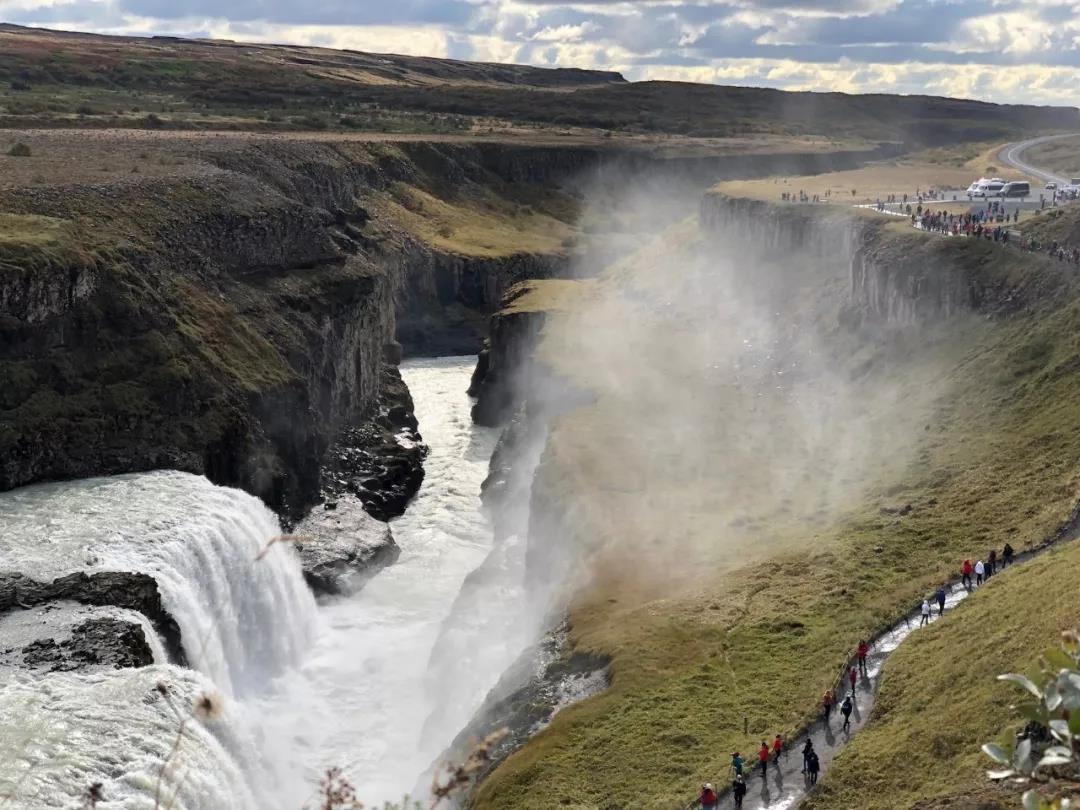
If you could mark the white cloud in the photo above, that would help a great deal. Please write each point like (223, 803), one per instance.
(1009, 32)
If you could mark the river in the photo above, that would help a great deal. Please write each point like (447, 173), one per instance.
(349, 683)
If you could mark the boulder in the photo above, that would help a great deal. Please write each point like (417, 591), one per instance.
(341, 547)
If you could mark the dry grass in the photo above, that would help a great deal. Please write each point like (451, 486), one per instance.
(1060, 156)
(481, 224)
(872, 182)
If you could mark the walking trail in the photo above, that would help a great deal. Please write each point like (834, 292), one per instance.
(785, 785)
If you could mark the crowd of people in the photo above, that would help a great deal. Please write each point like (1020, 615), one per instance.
(709, 798)
(972, 575)
(990, 223)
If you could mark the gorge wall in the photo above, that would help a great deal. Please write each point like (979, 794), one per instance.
(234, 319)
(898, 275)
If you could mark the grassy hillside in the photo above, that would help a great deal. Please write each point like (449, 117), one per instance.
(62, 79)
(736, 558)
(939, 699)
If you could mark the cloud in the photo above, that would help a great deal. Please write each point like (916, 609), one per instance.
(998, 50)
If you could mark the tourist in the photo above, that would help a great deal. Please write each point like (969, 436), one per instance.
(827, 701)
(807, 750)
(940, 596)
(980, 571)
(845, 709)
(763, 758)
(925, 613)
(777, 748)
(738, 790)
(965, 574)
(864, 648)
(853, 676)
(1006, 555)
(708, 798)
(991, 563)
(813, 765)
(736, 764)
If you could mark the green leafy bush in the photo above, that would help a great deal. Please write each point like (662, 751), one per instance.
(1047, 751)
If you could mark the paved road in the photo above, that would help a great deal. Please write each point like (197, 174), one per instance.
(1013, 155)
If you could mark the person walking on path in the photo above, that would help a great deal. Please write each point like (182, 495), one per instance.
(827, 701)
(845, 709)
(737, 764)
(807, 750)
(991, 563)
(763, 758)
(925, 613)
(853, 676)
(980, 570)
(777, 749)
(940, 596)
(864, 648)
(813, 765)
(965, 574)
(738, 790)
(1006, 555)
(708, 798)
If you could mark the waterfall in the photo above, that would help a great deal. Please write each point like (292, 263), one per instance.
(65, 732)
(353, 683)
(243, 619)
(245, 616)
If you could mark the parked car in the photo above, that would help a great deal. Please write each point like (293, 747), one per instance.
(1016, 188)
(989, 188)
(1051, 186)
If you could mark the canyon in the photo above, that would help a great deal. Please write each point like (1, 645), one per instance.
(657, 427)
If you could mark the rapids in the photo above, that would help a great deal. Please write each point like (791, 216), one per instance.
(351, 683)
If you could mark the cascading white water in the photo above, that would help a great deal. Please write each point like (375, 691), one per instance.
(361, 701)
(242, 620)
(351, 684)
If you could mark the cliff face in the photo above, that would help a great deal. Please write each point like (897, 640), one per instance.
(233, 320)
(896, 274)
(234, 323)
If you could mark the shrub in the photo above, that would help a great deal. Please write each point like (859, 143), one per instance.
(1047, 750)
(20, 150)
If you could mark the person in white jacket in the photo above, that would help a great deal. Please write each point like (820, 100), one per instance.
(980, 569)
(925, 613)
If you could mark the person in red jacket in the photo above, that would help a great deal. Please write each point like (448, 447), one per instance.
(966, 572)
(853, 676)
(777, 749)
(708, 798)
(864, 648)
(763, 758)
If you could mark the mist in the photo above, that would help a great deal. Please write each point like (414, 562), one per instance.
(735, 406)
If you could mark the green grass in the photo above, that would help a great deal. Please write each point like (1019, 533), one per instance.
(750, 622)
(939, 699)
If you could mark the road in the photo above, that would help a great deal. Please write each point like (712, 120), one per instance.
(1012, 155)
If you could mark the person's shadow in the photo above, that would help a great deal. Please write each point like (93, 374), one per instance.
(830, 738)
(766, 797)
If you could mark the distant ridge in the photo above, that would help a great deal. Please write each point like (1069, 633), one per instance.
(64, 79)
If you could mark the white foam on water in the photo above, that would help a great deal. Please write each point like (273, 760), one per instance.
(351, 684)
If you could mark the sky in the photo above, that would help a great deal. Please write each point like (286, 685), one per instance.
(997, 50)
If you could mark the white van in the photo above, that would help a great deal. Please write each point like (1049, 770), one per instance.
(1016, 188)
(988, 188)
